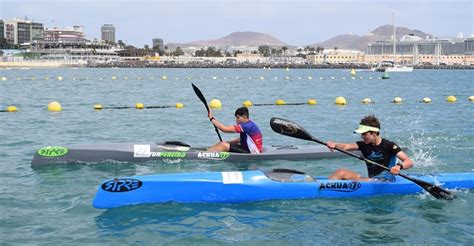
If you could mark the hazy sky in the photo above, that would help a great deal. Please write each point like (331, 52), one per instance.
(296, 22)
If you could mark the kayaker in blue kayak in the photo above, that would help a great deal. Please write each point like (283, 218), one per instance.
(250, 140)
(374, 148)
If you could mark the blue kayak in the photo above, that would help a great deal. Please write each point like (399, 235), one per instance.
(250, 186)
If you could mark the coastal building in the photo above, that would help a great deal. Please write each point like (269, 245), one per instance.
(108, 33)
(336, 56)
(69, 34)
(414, 50)
(2, 29)
(73, 52)
(19, 31)
(37, 31)
(158, 43)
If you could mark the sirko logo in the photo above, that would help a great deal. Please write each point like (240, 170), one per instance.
(340, 186)
(213, 155)
(52, 151)
(121, 185)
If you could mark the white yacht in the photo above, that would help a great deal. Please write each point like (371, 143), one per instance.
(392, 66)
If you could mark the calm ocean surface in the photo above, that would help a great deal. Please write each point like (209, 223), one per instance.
(52, 205)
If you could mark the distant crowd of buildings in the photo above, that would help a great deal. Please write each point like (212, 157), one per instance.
(25, 40)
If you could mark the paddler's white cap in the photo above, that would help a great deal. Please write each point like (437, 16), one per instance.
(364, 129)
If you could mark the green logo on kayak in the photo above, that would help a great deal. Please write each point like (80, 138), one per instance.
(52, 151)
(224, 155)
(213, 155)
(172, 154)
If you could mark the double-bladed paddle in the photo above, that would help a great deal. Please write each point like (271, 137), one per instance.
(203, 100)
(292, 129)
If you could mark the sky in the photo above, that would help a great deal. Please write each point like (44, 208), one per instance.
(296, 22)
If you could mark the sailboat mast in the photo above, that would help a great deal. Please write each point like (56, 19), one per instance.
(394, 38)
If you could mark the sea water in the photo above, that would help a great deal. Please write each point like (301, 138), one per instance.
(52, 204)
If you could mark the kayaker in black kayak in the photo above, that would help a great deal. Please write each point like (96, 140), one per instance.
(374, 148)
(250, 140)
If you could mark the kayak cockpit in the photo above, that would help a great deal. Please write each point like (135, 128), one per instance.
(288, 175)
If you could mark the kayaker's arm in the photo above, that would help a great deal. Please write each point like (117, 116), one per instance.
(405, 163)
(344, 146)
(220, 126)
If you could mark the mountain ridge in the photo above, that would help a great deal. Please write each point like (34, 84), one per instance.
(341, 41)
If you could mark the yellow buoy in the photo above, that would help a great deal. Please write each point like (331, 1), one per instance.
(4, 78)
(426, 100)
(179, 105)
(215, 104)
(366, 101)
(114, 78)
(139, 106)
(310, 78)
(451, 99)
(471, 98)
(54, 107)
(353, 72)
(214, 77)
(280, 102)
(98, 106)
(60, 78)
(12, 109)
(340, 101)
(164, 77)
(262, 78)
(312, 102)
(397, 100)
(125, 78)
(247, 104)
(287, 69)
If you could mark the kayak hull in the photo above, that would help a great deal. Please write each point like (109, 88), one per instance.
(146, 151)
(251, 186)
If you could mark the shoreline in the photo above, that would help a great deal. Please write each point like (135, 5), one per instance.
(49, 64)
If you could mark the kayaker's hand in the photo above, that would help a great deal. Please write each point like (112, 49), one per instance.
(395, 170)
(331, 145)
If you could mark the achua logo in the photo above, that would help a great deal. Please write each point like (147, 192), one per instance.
(52, 151)
(121, 185)
(213, 155)
(340, 186)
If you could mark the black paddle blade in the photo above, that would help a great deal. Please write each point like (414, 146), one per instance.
(203, 100)
(441, 193)
(434, 190)
(200, 95)
(289, 128)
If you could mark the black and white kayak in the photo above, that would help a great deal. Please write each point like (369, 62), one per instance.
(171, 150)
